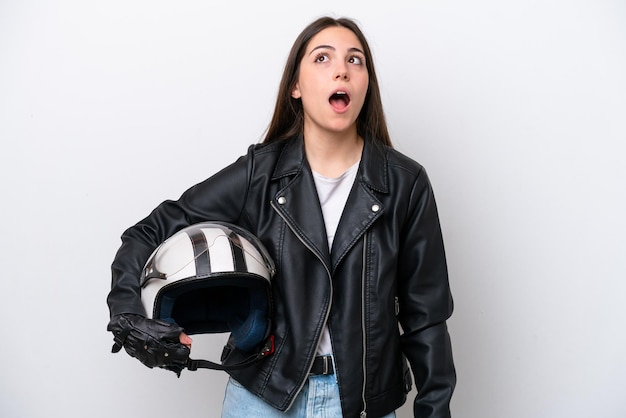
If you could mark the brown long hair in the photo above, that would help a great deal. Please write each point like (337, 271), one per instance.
(288, 118)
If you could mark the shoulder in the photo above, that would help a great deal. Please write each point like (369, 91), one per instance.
(403, 164)
(261, 149)
(408, 175)
(261, 153)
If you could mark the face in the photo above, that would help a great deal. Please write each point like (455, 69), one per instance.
(332, 82)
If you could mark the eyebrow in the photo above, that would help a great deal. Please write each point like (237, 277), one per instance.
(353, 49)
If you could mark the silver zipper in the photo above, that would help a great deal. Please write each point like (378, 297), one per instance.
(329, 279)
(363, 274)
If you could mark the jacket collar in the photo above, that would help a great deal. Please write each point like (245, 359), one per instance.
(372, 171)
(293, 201)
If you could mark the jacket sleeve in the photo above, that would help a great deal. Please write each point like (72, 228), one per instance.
(219, 198)
(425, 303)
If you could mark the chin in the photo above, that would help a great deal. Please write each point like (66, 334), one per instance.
(339, 126)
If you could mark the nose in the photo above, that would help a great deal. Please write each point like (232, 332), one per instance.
(341, 73)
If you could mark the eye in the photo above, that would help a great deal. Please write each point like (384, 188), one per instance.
(355, 60)
(322, 57)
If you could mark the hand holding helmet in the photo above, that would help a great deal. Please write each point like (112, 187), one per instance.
(155, 343)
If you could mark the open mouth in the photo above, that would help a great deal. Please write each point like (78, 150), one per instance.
(339, 100)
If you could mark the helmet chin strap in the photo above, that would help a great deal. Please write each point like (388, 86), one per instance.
(267, 350)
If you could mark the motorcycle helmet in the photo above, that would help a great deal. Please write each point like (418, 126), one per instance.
(212, 277)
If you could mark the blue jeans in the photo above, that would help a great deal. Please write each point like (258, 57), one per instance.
(319, 398)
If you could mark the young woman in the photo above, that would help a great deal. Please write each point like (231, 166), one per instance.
(353, 229)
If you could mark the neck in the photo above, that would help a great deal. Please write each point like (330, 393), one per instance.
(332, 154)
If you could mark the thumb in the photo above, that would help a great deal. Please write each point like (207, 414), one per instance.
(185, 339)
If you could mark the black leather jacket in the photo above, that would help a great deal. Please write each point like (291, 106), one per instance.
(387, 266)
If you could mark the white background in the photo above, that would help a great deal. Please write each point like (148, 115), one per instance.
(517, 110)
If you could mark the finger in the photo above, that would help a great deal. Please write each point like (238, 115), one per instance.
(185, 340)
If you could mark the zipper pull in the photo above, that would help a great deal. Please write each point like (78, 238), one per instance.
(363, 414)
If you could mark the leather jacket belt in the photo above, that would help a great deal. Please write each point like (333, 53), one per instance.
(322, 365)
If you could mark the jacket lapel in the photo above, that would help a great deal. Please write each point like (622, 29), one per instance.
(297, 202)
(363, 206)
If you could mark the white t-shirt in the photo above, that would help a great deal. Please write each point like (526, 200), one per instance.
(333, 194)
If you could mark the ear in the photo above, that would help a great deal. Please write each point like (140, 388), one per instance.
(295, 92)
